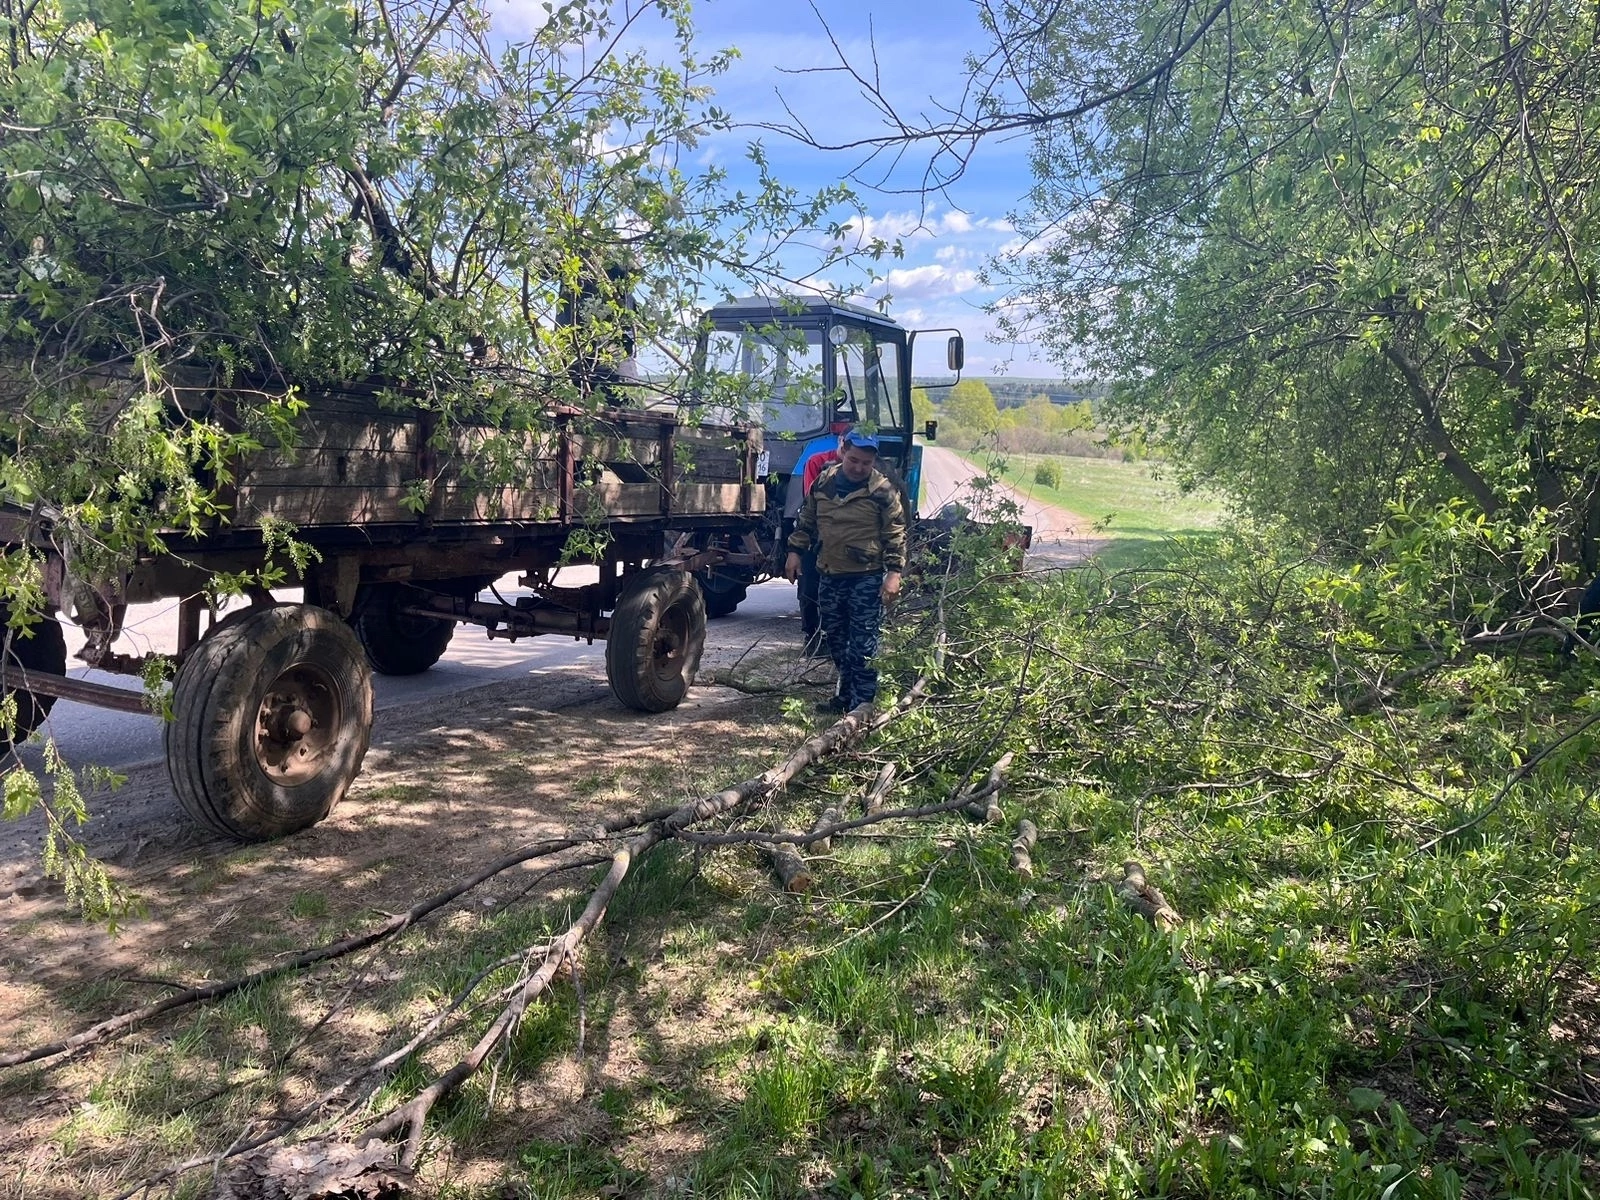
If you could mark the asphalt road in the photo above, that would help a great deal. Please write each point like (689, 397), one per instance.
(575, 672)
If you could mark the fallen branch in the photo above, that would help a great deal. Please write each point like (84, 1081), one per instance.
(323, 1168)
(791, 838)
(987, 809)
(412, 1115)
(244, 1148)
(1147, 901)
(1539, 625)
(786, 837)
(822, 829)
(873, 800)
(728, 679)
(1022, 848)
(983, 803)
(845, 730)
(1516, 777)
(790, 867)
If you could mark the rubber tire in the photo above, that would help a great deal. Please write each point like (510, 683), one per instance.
(658, 633)
(396, 644)
(723, 593)
(46, 650)
(217, 697)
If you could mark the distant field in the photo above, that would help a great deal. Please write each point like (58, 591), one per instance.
(1126, 501)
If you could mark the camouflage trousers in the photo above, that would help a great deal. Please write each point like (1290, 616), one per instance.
(851, 609)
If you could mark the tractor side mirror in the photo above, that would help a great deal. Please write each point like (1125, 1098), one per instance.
(931, 430)
(955, 353)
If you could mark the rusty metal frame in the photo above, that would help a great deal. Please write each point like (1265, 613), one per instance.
(509, 622)
(62, 687)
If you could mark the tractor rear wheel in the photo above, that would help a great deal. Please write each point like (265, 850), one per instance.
(722, 590)
(397, 643)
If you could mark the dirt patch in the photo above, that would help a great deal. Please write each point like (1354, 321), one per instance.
(441, 794)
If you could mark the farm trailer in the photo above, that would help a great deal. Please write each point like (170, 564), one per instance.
(272, 704)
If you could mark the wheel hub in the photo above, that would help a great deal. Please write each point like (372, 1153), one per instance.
(671, 637)
(297, 724)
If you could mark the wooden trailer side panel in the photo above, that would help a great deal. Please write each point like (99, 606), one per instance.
(360, 464)
(355, 464)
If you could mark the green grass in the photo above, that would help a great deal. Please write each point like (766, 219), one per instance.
(308, 906)
(1338, 1016)
(1128, 502)
(1351, 1007)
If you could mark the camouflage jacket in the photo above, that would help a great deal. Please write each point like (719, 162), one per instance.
(865, 531)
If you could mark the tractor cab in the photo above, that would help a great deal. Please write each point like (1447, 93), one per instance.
(798, 366)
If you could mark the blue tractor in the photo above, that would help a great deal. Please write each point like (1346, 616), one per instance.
(798, 367)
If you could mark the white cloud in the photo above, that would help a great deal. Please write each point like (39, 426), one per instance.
(912, 226)
(934, 279)
(787, 70)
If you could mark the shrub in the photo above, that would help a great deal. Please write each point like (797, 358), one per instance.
(1047, 474)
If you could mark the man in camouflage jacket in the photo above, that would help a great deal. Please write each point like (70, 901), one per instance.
(857, 521)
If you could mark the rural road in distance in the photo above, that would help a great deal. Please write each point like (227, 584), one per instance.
(1060, 538)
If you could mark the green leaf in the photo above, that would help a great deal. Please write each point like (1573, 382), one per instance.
(1365, 1099)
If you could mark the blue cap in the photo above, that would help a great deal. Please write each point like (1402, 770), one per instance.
(864, 440)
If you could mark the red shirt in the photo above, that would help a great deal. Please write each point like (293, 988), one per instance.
(815, 465)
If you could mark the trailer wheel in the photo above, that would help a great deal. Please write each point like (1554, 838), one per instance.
(273, 714)
(395, 643)
(657, 633)
(44, 650)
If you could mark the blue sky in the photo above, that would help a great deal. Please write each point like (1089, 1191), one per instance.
(920, 50)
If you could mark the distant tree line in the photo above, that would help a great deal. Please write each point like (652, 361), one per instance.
(1014, 392)
(969, 414)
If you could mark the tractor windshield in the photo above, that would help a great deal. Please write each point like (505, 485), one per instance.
(769, 376)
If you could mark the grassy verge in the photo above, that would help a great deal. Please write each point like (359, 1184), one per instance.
(1128, 503)
(1359, 1002)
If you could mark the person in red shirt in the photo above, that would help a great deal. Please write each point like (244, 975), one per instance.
(818, 462)
(815, 458)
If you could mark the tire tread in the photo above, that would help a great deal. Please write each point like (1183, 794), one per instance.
(203, 761)
(646, 597)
